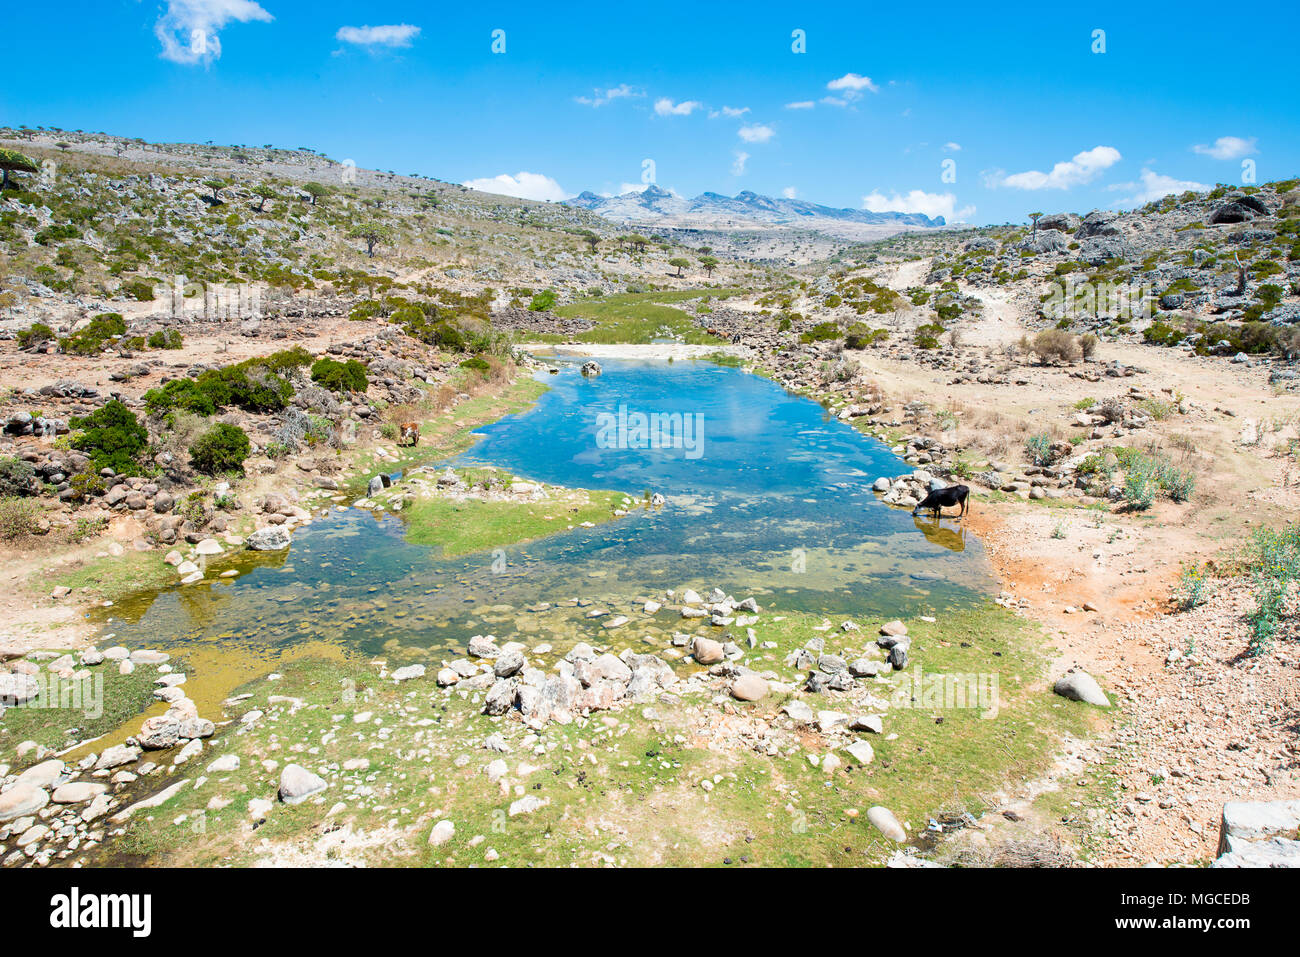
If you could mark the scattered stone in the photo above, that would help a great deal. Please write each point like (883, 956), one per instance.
(1080, 686)
(297, 784)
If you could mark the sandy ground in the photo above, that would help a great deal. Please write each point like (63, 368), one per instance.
(1054, 560)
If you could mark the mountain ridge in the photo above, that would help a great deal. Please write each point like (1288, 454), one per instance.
(657, 206)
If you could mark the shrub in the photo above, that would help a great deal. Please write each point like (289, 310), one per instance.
(87, 528)
(112, 437)
(1038, 448)
(166, 339)
(822, 332)
(17, 478)
(17, 517)
(1190, 591)
(139, 289)
(1162, 334)
(1088, 345)
(184, 394)
(1275, 564)
(91, 338)
(1139, 484)
(927, 335)
(1056, 345)
(860, 336)
(222, 448)
(36, 334)
(1179, 483)
(337, 376)
(543, 301)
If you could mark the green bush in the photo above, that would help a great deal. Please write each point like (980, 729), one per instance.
(17, 477)
(166, 339)
(822, 332)
(336, 376)
(221, 449)
(253, 385)
(859, 336)
(34, 335)
(543, 301)
(183, 394)
(91, 338)
(112, 437)
(139, 289)
(1038, 448)
(927, 335)
(1140, 484)
(52, 235)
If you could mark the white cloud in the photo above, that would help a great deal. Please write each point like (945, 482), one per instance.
(1152, 186)
(952, 147)
(918, 201)
(729, 111)
(601, 97)
(756, 133)
(1227, 148)
(789, 192)
(666, 107)
(521, 185)
(390, 35)
(835, 101)
(188, 29)
(1083, 168)
(738, 167)
(625, 188)
(851, 85)
(801, 105)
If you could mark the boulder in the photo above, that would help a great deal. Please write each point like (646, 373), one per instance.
(78, 792)
(749, 688)
(17, 689)
(442, 832)
(1081, 686)
(269, 539)
(297, 784)
(884, 821)
(707, 651)
(22, 800)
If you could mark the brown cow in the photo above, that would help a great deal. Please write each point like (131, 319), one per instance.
(410, 434)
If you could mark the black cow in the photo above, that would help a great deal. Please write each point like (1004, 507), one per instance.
(945, 498)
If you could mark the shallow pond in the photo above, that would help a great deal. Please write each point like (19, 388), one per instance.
(767, 494)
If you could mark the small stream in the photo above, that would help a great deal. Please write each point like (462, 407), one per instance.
(766, 494)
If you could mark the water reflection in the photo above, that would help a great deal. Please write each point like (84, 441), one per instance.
(949, 534)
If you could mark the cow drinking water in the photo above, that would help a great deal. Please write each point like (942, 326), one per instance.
(945, 498)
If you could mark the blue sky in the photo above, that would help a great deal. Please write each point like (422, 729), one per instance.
(981, 112)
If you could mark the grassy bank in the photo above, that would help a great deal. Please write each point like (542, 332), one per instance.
(624, 787)
(639, 317)
(109, 577)
(105, 702)
(471, 525)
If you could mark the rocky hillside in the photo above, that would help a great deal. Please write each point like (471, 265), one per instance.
(97, 221)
